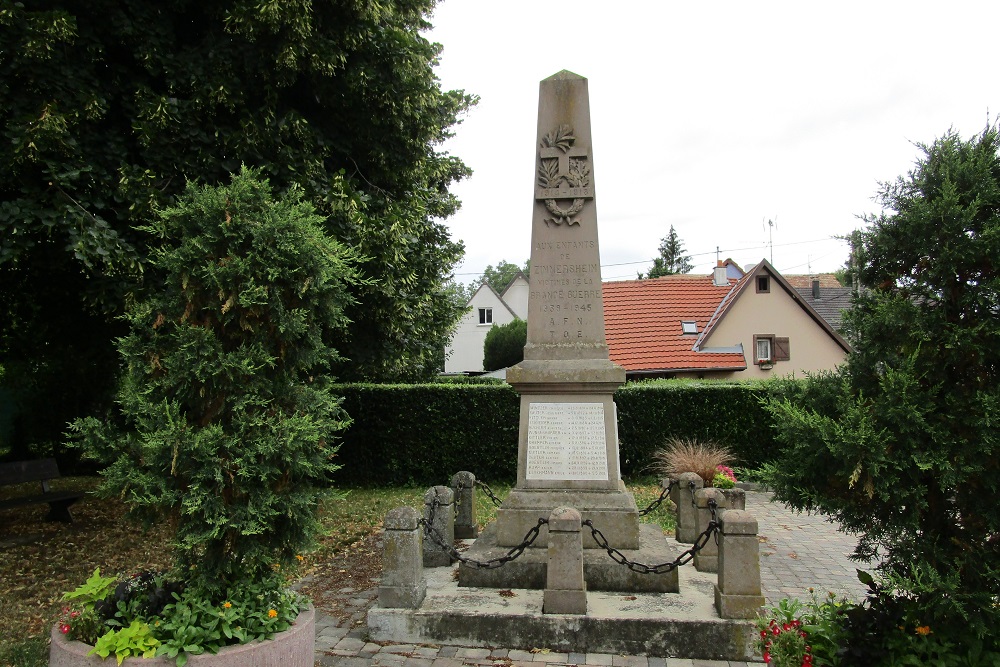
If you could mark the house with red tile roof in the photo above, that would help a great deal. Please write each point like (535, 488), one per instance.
(730, 324)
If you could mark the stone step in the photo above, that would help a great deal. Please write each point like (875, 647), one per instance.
(651, 624)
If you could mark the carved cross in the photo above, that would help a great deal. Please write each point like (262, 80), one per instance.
(563, 157)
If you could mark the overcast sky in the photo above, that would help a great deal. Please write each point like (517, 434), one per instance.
(713, 117)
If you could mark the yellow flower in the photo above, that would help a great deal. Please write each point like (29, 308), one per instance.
(271, 613)
(300, 557)
(227, 605)
(923, 630)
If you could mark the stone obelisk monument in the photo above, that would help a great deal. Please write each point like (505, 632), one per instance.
(568, 440)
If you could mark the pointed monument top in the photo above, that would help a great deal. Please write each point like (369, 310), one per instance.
(563, 75)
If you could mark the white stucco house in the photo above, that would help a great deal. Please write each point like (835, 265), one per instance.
(464, 353)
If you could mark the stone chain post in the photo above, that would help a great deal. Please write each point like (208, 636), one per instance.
(565, 588)
(738, 591)
(687, 530)
(439, 513)
(707, 560)
(464, 486)
(736, 497)
(402, 583)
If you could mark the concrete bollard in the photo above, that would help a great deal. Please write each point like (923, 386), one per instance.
(441, 518)
(707, 559)
(402, 584)
(464, 486)
(736, 497)
(565, 589)
(738, 592)
(687, 516)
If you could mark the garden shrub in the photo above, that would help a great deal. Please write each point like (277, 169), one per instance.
(900, 446)
(504, 345)
(230, 422)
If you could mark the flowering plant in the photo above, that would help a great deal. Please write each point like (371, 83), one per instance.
(151, 613)
(724, 478)
(785, 645)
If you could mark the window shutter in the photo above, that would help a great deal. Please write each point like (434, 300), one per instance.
(782, 350)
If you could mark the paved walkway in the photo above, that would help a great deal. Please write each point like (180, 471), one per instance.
(797, 552)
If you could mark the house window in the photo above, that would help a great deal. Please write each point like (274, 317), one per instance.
(763, 284)
(764, 347)
(769, 348)
(486, 316)
(689, 327)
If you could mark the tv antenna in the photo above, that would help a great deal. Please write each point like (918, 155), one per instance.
(771, 224)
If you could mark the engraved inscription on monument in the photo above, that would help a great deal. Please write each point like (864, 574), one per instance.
(566, 441)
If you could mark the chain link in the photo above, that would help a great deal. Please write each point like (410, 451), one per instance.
(489, 492)
(659, 501)
(437, 538)
(486, 489)
(662, 568)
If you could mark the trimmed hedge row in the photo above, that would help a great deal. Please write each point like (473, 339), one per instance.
(423, 434)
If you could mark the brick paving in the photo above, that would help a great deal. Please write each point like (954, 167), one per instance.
(797, 552)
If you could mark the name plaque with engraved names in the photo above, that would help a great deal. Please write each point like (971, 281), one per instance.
(566, 441)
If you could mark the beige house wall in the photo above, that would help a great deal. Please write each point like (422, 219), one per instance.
(754, 313)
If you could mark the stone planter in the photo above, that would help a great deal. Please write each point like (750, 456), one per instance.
(294, 647)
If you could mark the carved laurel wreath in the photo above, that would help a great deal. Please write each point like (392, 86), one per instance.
(549, 176)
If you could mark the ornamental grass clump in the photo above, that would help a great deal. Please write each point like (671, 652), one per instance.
(228, 427)
(680, 455)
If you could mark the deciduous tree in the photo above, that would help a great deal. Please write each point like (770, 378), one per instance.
(107, 108)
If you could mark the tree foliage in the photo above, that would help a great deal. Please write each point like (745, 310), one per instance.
(672, 258)
(504, 345)
(499, 277)
(107, 108)
(901, 444)
(229, 426)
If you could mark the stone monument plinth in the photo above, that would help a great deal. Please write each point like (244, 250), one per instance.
(568, 439)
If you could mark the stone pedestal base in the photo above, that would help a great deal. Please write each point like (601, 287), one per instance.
(564, 602)
(737, 606)
(599, 572)
(614, 513)
(406, 597)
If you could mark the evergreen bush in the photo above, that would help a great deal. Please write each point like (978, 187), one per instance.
(504, 345)
(230, 425)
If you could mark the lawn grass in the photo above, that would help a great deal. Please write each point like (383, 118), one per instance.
(55, 557)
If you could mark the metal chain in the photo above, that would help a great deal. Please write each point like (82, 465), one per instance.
(489, 492)
(659, 501)
(486, 488)
(491, 564)
(686, 556)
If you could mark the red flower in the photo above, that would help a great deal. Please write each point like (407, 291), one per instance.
(64, 628)
(767, 657)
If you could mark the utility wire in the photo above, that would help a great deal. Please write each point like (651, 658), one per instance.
(698, 254)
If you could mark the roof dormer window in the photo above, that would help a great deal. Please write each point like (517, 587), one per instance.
(689, 327)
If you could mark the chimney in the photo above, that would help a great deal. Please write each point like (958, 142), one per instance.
(816, 288)
(719, 277)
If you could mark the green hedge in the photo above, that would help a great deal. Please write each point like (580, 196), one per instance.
(423, 434)
(730, 414)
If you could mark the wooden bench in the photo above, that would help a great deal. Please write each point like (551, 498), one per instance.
(42, 471)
